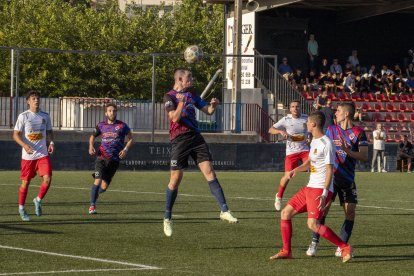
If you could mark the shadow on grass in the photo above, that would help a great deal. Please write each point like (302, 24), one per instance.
(25, 230)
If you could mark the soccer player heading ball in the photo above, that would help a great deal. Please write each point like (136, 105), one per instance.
(186, 140)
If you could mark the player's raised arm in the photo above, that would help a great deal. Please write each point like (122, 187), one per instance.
(211, 108)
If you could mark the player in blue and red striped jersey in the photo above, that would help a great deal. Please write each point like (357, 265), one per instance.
(351, 145)
(111, 150)
(186, 140)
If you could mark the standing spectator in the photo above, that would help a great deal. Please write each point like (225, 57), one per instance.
(372, 71)
(329, 115)
(313, 51)
(379, 148)
(292, 127)
(180, 104)
(313, 198)
(353, 59)
(32, 128)
(111, 150)
(284, 67)
(406, 152)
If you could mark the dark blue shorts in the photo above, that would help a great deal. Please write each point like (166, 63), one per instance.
(346, 192)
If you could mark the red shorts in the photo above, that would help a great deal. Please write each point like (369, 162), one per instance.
(305, 201)
(29, 168)
(292, 160)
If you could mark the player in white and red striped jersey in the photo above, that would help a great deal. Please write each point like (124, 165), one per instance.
(292, 128)
(30, 132)
(313, 198)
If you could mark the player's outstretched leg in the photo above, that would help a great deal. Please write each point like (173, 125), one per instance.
(218, 193)
(279, 195)
(171, 195)
(313, 247)
(22, 199)
(93, 198)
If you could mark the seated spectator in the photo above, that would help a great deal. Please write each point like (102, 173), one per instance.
(353, 59)
(397, 70)
(321, 100)
(298, 79)
(324, 68)
(386, 71)
(372, 71)
(311, 81)
(362, 83)
(405, 152)
(336, 68)
(375, 84)
(337, 82)
(410, 85)
(284, 67)
(399, 87)
(349, 82)
(410, 70)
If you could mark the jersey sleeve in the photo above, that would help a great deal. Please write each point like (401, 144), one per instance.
(96, 132)
(362, 139)
(329, 153)
(19, 124)
(169, 103)
(280, 124)
(199, 102)
(48, 123)
(126, 129)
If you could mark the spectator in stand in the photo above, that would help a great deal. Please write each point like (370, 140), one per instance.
(349, 82)
(375, 84)
(400, 87)
(410, 84)
(298, 79)
(358, 114)
(311, 81)
(353, 59)
(337, 82)
(410, 70)
(405, 152)
(348, 67)
(397, 70)
(362, 83)
(321, 100)
(336, 68)
(379, 148)
(324, 68)
(329, 115)
(384, 84)
(386, 71)
(284, 68)
(372, 71)
(313, 52)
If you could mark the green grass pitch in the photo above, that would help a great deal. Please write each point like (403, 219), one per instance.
(126, 236)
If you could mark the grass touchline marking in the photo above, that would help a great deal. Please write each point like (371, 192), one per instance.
(71, 271)
(79, 257)
(208, 196)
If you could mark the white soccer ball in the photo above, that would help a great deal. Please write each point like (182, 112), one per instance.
(193, 54)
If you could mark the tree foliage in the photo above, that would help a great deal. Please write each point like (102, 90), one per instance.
(73, 25)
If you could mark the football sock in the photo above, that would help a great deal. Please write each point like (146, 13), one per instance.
(217, 192)
(171, 195)
(42, 191)
(346, 230)
(281, 191)
(101, 191)
(23, 194)
(94, 194)
(315, 236)
(328, 234)
(286, 230)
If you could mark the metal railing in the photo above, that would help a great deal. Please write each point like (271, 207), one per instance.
(283, 91)
(76, 113)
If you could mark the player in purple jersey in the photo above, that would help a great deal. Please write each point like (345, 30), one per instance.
(111, 150)
(186, 140)
(351, 146)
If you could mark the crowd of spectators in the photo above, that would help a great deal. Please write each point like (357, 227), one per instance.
(351, 77)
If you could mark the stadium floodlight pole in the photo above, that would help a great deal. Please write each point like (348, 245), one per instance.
(236, 77)
(153, 97)
(11, 87)
(16, 87)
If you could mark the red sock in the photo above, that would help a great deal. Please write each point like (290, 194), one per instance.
(43, 190)
(281, 191)
(328, 234)
(286, 229)
(23, 194)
